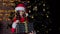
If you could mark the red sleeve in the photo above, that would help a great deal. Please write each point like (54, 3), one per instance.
(14, 19)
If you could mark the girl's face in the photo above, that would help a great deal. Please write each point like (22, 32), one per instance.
(21, 12)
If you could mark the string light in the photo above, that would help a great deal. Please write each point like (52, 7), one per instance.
(28, 6)
(28, 1)
(50, 29)
(48, 12)
(35, 8)
(32, 17)
(11, 0)
(42, 25)
(37, 31)
(29, 11)
(4, 4)
(43, 4)
(43, 9)
(47, 7)
(39, 3)
(47, 15)
(45, 26)
(46, 31)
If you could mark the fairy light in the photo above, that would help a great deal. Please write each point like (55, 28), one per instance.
(42, 25)
(47, 16)
(29, 11)
(35, 8)
(50, 29)
(44, 4)
(43, 9)
(28, 1)
(32, 17)
(46, 31)
(48, 12)
(39, 3)
(47, 7)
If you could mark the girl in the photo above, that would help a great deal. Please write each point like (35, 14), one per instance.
(21, 16)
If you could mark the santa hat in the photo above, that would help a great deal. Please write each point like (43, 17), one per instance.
(20, 7)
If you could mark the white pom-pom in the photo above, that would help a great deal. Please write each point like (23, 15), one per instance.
(26, 14)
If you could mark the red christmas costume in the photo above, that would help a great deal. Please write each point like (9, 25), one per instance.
(22, 19)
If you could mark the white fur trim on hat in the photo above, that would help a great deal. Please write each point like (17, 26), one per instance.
(19, 8)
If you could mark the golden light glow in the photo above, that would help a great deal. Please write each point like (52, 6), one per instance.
(1, 14)
(28, 6)
(12, 4)
(7, 14)
(2, 10)
(28, 1)
(8, 19)
(4, 4)
(5, 0)
(12, 0)
(35, 8)
(0, 19)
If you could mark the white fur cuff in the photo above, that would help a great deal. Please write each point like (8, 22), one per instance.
(14, 25)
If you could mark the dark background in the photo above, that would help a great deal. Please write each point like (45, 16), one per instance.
(52, 4)
(54, 25)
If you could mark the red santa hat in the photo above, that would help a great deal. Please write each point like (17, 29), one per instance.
(20, 7)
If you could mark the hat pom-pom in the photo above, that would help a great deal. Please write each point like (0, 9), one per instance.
(26, 14)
